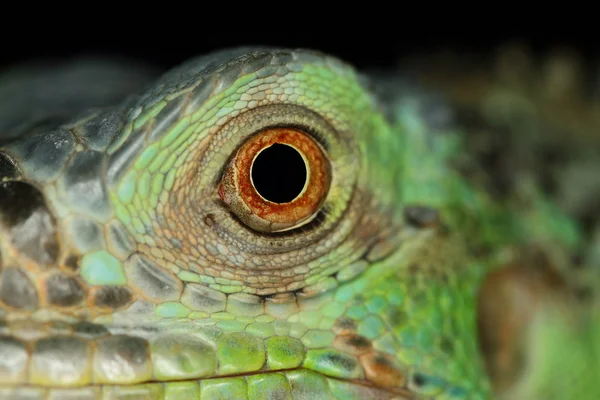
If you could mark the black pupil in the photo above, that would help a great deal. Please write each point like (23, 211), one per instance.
(279, 173)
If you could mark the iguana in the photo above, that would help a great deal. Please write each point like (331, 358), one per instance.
(273, 224)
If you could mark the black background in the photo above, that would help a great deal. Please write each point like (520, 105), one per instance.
(370, 42)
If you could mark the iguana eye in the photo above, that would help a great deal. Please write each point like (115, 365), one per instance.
(277, 180)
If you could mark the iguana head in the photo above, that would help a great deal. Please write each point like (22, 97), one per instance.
(253, 225)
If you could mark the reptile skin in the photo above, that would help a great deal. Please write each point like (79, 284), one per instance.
(125, 274)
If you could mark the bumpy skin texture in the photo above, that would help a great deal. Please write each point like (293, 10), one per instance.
(138, 282)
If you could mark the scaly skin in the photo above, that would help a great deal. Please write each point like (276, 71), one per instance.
(124, 274)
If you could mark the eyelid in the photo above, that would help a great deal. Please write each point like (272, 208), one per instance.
(333, 138)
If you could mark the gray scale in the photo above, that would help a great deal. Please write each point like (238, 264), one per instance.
(202, 298)
(63, 291)
(82, 179)
(154, 282)
(113, 297)
(86, 234)
(17, 290)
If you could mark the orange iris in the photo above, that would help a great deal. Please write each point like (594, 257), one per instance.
(238, 187)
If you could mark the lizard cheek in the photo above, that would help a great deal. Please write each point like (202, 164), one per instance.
(277, 180)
